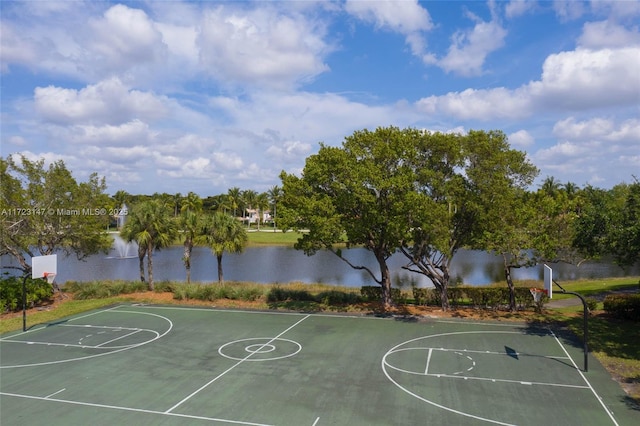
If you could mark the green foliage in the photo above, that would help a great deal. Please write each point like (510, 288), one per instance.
(102, 289)
(479, 297)
(222, 233)
(151, 225)
(45, 210)
(373, 293)
(280, 294)
(212, 292)
(623, 306)
(38, 292)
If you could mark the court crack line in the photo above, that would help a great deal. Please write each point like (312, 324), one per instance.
(194, 393)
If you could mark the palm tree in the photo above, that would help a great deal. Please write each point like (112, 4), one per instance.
(151, 226)
(223, 233)
(275, 195)
(262, 204)
(192, 202)
(233, 199)
(551, 186)
(190, 226)
(249, 199)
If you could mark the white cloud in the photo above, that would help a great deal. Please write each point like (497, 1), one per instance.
(479, 104)
(227, 160)
(516, 8)
(261, 47)
(404, 17)
(470, 48)
(601, 34)
(108, 101)
(128, 133)
(585, 78)
(572, 129)
(521, 139)
(568, 10)
(125, 37)
(290, 150)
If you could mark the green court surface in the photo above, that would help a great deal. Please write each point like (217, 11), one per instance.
(160, 365)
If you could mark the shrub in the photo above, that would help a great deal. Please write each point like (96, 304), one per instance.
(279, 294)
(337, 297)
(374, 293)
(38, 292)
(623, 306)
(592, 303)
(103, 289)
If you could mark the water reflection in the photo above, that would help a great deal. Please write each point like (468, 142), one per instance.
(276, 264)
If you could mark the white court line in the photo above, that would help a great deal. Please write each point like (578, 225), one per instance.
(55, 393)
(118, 338)
(426, 367)
(232, 367)
(111, 351)
(42, 326)
(240, 311)
(136, 410)
(316, 422)
(585, 379)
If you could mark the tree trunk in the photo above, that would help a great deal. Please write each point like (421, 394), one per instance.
(512, 291)
(142, 251)
(150, 265)
(188, 246)
(444, 294)
(219, 258)
(385, 281)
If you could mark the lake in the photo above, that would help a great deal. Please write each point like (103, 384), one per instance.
(279, 264)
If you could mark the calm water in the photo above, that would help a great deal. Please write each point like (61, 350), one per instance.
(277, 264)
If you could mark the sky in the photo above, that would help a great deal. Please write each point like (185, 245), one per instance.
(180, 96)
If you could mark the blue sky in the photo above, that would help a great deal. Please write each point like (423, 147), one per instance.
(171, 96)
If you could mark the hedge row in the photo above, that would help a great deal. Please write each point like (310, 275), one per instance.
(374, 294)
(38, 292)
(479, 297)
(623, 306)
(103, 289)
(331, 297)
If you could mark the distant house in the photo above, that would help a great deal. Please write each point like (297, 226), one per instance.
(253, 214)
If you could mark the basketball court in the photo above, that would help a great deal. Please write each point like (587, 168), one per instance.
(144, 364)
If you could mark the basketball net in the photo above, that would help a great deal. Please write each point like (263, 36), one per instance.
(50, 277)
(537, 294)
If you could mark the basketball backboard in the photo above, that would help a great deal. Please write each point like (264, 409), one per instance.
(44, 265)
(548, 280)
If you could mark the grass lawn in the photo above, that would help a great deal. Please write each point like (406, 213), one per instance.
(266, 236)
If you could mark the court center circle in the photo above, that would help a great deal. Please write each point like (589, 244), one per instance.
(260, 349)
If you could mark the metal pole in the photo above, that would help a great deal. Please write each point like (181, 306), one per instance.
(24, 302)
(585, 323)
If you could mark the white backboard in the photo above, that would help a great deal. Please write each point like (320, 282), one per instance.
(548, 280)
(44, 264)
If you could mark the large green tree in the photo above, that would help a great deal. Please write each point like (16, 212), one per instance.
(45, 210)
(360, 194)
(222, 232)
(496, 178)
(609, 223)
(152, 226)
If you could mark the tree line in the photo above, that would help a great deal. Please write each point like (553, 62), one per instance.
(419, 193)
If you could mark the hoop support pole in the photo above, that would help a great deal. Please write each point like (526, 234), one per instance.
(585, 323)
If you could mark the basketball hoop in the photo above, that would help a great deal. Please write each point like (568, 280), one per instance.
(537, 294)
(49, 276)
